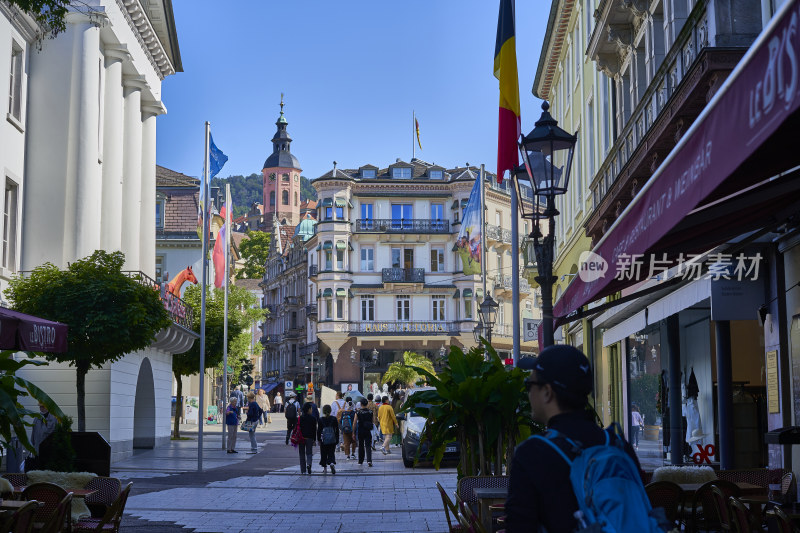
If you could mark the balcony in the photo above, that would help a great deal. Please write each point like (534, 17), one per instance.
(403, 275)
(309, 349)
(294, 334)
(505, 282)
(179, 311)
(293, 300)
(401, 225)
(269, 339)
(312, 271)
(311, 310)
(403, 328)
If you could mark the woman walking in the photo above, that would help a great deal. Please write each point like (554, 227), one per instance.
(308, 428)
(263, 402)
(328, 436)
(388, 422)
(232, 421)
(253, 414)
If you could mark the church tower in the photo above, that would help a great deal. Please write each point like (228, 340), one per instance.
(281, 174)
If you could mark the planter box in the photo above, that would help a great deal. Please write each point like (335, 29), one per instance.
(651, 432)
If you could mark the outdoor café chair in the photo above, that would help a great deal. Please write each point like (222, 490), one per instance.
(472, 520)
(703, 512)
(106, 491)
(668, 496)
(21, 520)
(779, 522)
(450, 509)
(788, 487)
(741, 519)
(49, 496)
(58, 521)
(111, 520)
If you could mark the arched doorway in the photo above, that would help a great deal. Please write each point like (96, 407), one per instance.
(144, 409)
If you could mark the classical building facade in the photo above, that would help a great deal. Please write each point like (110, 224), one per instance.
(384, 275)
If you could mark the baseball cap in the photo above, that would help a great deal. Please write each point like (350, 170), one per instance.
(565, 367)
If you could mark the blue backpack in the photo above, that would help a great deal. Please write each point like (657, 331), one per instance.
(607, 485)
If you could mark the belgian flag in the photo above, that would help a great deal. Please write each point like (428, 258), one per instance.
(505, 70)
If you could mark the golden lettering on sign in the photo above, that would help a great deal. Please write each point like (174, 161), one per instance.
(773, 400)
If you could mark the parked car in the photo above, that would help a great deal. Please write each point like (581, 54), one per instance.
(411, 426)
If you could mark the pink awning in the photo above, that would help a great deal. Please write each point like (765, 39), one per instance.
(747, 133)
(19, 331)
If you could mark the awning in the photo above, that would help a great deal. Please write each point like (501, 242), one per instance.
(268, 387)
(464, 202)
(29, 333)
(746, 134)
(455, 205)
(341, 245)
(341, 293)
(340, 202)
(467, 293)
(327, 202)
(327, 245)
(327, 293)
(457, 294)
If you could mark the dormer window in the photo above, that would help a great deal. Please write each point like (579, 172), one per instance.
(436, 174)
(368, 173)
(401, 172)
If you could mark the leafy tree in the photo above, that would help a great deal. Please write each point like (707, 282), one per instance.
(254, 250)
(239, 353)
(48, 13)
(241, 315)
(14, 418)
(307, 192)
(407, 371)
(109, 313)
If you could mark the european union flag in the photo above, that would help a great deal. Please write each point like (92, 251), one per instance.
(216, 158)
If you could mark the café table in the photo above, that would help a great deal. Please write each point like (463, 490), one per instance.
(487, 496)
(747, 489)
(76, 493)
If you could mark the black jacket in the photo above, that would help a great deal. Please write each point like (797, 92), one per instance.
(308, 426)
(327, 421)
(540, 493)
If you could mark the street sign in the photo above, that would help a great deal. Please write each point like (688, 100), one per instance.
(530, 328)
(289, 385)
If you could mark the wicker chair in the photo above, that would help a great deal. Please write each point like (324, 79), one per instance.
(467, 483)
(467, 515)
(779, 522)
(50, 496)
(740, 516)
(21, 520)
(788, 487)
(668, 496)
(111, 520)
(721, 505)
(450, 509)
(17, 480)
(107, 490)
(58, 521)
(703, 514)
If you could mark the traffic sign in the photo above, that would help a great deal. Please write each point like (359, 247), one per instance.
(530, 328)
(289, 385)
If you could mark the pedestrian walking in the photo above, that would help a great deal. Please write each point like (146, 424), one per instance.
(541, 495)
(346, 422)
(328, 436)
(637, 425)
(263, 402)
(237, 392)
(363, 430)
(388, 422)
(291, 412)
(337, 405)
(232, 421)
(278, 403)
(251, 423)
(373, 407)
(308, 427)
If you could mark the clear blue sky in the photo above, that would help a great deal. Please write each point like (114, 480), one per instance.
(352, 72)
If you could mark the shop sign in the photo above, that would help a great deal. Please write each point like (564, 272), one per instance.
(530, 328)
(736, 300)
(271, 374)
(773, 401)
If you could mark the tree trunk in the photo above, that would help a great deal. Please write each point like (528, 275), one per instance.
(499, 468)
(80, 385)
(481, 453)
(176, 428)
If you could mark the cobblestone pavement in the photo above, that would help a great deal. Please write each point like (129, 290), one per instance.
(266, 492)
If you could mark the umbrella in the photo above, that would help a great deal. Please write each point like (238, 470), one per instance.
(29, 333)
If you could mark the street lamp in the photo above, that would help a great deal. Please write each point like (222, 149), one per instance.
(541, 149)
(488, 311)
(352, 355)
(477, 332)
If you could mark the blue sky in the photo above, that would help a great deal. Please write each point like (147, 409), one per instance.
(352, 72)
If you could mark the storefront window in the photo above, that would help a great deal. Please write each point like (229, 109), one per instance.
(646, 397)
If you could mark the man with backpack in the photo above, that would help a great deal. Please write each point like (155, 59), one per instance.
(347, 418)
(291, 411)
(576, 476)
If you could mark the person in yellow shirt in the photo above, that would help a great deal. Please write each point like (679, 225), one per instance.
(388, 423)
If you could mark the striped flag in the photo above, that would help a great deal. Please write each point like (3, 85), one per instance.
(505, 70)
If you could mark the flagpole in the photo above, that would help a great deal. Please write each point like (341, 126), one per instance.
(515, 275)
(225, 322)
(200, 414)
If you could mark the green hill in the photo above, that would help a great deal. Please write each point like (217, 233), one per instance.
(248, 189)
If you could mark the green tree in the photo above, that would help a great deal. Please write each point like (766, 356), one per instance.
(14, 418)
(241, 315)
(239, 353)
(254, 250)
(407, 372)
(245, 190)
(307, 191)
(109, 313)
(48, 13)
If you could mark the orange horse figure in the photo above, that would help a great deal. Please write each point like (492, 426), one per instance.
(174, 286)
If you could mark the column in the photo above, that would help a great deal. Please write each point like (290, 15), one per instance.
(113, 124)
(722, 332)
(88, 181)
(147, 223)
(132, 170)
(676, 435)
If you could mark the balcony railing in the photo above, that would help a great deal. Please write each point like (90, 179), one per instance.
(402, 225)
(269, 339)
(308, 349)
(403, 328)
(179, 311)
(403, 275)
(311, 310)
(294, 334)
(312, 271)
(293, 300)
(506, 281)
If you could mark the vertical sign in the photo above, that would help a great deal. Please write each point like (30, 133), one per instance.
(773, 399)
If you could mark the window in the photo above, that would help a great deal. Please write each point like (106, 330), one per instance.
(367, 259)
(437, 211)
(328, 309)
(339, 308)
(437, 259)
(339, 213)
(402, 216)
(367, 308)
(366, 211)
(401, 172)
(455, 217)
(285, 177)
(437, 308)
(499, 264)
(436, 174)
(160, 269)
(467, 308)
(339, 259)
(498, 221)
(501, 315)
(10, 227)
(285, 197)
(368, 173)
(272, 198)
(403, 306)
(402, 258)
(160, 214)
(328, 213)
(328, 260)
(15, 83)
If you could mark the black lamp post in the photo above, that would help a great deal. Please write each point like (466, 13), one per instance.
(540, 149)
(477, 332)
(488, 311)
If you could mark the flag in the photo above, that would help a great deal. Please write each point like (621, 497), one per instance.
(469, 240)
(416, 125)
(505, 70)
(218, 255)
(216, 160)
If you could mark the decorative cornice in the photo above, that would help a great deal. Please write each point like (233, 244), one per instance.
(135, 82)
(147, 37)
(556, 32)
(26, 25)
(153, 107)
